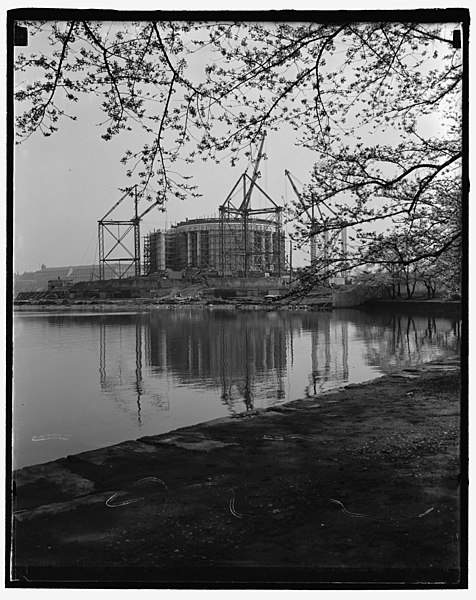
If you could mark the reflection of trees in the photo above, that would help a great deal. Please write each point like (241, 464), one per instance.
(400, 340)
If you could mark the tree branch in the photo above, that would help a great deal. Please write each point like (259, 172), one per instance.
(108, 68)
(58, 74)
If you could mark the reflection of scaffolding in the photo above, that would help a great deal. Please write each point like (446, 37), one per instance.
(260, 354)
(243, 357)
(250, 244)
(322, 372)
(110, 383)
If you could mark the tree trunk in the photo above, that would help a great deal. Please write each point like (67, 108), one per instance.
(411, 289)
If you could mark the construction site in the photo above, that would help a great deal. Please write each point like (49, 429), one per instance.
(241, 251)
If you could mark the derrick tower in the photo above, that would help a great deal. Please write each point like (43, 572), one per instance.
(251, 238)
(119, 239)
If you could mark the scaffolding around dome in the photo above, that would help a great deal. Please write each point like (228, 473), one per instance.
(227, 246)
(244, 241)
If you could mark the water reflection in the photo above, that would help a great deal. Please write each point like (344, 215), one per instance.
(104, 378)
(244, 356)
(328, 338)
(402, 340)
(115, 370)
(248, 356)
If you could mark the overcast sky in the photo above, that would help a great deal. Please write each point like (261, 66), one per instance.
(65, 183)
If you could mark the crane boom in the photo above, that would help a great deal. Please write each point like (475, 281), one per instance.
(254, 177)
(312, 243)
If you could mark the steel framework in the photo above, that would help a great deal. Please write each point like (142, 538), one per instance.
(251, 239)
(314, 229)
(123, 236)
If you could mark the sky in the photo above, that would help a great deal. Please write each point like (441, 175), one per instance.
(65, 183)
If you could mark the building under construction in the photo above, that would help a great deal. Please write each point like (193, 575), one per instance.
(221, 245)
(244, 241)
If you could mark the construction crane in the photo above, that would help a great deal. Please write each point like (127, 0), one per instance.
(247, 192)
(124, 227)
(312, 221)
(344, 248)
(314, 228)
(245, 212)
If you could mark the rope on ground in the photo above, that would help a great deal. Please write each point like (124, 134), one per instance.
(232, 506)
(352, 514)
(110, 501)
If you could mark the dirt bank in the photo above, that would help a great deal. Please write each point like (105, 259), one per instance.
(359, 485)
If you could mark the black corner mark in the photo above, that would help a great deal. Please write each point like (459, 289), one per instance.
(456, 38)
(20, 35)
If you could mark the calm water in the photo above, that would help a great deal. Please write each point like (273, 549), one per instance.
(83, 381)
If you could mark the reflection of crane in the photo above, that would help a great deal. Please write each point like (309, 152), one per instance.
(109, 384)
(124, 227)
(320, 375)
(120, 381)
(332, 371)
(345, 350)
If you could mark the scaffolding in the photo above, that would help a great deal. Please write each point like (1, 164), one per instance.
(217, 245)
(148, 267)
(251, 239)
(243, 241)
(154, 253)
(251, 246)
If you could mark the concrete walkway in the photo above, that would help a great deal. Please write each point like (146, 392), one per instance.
(357, 485)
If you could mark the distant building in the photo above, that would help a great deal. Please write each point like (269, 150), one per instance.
(38, 281)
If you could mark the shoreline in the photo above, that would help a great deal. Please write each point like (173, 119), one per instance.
(342, 485)
(439, 307)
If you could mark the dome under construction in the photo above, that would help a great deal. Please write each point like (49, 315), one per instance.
(230, 246)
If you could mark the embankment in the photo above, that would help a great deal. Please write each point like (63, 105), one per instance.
(358, 485)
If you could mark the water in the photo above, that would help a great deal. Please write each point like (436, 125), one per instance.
(84, 381)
